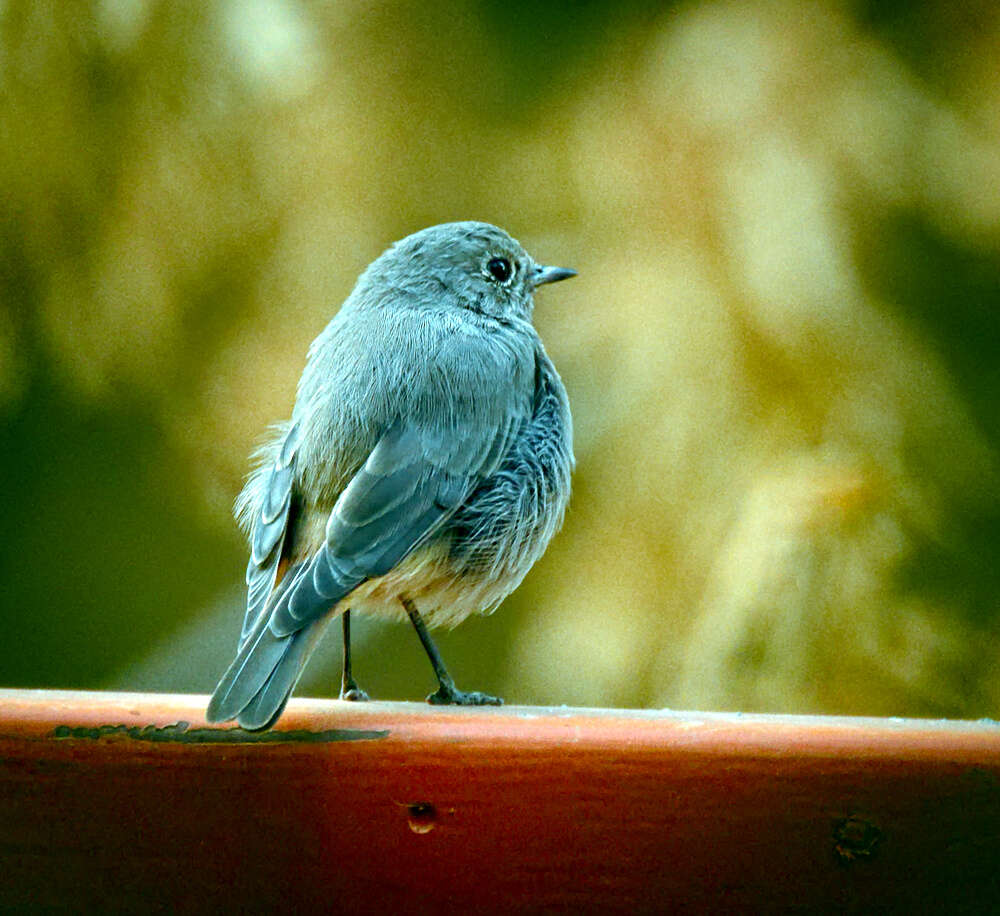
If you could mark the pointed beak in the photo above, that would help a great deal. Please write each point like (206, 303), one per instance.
(551, 274)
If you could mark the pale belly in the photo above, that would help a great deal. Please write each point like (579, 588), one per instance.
(428, 578)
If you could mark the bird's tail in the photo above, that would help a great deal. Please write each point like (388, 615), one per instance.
(260, 680)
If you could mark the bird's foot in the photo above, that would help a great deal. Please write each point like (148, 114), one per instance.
(353, 693)
(452, 696)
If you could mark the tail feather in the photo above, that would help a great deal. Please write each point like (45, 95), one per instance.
(269, 702)
(258, 683)
(252, 666)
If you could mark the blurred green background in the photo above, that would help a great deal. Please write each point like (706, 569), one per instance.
(783, 348)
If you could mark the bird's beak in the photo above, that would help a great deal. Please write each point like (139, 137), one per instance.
(551, 274)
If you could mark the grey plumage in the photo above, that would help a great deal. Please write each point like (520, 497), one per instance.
(427, 461)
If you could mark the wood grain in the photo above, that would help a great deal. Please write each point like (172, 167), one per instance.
(131, 803)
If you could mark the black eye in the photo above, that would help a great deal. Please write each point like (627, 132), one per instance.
(500, 269)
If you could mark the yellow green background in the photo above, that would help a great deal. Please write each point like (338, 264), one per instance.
(782, 349)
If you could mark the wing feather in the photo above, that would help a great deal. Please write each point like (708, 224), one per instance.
(269, 527)
(412, 482)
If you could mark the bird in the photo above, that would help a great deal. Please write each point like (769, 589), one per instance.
(424, 469)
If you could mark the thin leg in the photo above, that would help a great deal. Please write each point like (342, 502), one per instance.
(447, 693)
(349, 689)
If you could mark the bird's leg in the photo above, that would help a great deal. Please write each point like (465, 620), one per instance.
(447, 693)
(349, 689)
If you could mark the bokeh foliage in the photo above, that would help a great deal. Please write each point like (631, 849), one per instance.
(783, 348)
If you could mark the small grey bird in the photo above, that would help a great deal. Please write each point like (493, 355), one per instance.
(424, 470)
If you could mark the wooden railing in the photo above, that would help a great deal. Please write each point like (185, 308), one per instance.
(131, 803)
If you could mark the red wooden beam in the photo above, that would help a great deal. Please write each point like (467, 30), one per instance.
(119, 802)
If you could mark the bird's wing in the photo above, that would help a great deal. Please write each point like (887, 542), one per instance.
(269, 527)
(414, 479)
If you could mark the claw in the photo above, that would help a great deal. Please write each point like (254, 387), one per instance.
(452, 696)
(353, 693)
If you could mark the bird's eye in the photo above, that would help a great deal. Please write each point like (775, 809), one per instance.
(499, 269)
